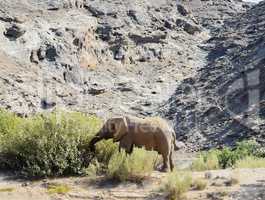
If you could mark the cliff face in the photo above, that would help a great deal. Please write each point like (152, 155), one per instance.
(178, 59)
(224, 102)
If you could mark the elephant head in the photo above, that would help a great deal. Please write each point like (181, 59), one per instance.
(114, 128)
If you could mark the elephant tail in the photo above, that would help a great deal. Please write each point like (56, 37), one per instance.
(177, 144)
(176, 148)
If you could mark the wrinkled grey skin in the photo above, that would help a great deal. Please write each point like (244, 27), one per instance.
(151, 134)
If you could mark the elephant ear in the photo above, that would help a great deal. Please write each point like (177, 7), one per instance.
(121, 128)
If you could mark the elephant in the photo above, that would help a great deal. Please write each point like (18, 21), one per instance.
(152, 133)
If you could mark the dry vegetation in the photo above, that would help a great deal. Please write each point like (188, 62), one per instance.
(58, 188)
(176, 185)
(199, 184)
(251, 162)
(135, 167)
(8, 189)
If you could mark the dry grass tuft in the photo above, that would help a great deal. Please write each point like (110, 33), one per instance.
(206, 161)
(7, 189)
(56, 188)
(199, 184)
(176, 185)
(251, 162)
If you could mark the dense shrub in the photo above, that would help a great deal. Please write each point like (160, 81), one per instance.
(46, 145)
(134, 167)
(56, 144)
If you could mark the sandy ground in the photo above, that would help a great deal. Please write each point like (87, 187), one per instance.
(251, 185)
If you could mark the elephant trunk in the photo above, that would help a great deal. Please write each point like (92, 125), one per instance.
(93, 142)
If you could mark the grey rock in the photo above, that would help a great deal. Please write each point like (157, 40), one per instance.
(34, 57)
(96, 91)
(191, 29)
(169, 24)
(182, 10)
(154, 38)
(51, 53)
(45, 104)
(104, 31)
(188, 27)
(208, 175)
(72, 74)
(13, 32)
(119, 54)
(95, 11)
(132, 14)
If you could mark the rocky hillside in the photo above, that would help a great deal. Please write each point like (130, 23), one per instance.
(195, 62)
(224, 102)
(95, 56)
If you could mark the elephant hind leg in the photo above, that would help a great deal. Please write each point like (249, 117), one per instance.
(165, 163)
(171, 162)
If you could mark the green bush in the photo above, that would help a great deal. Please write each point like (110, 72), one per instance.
(227, 157)
(46, 145)
(134, 167)
(176, 185)
(247, 148)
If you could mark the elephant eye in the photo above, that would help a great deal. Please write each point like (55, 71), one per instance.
(112, 127)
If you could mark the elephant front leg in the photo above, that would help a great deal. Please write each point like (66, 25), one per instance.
(128, 149)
